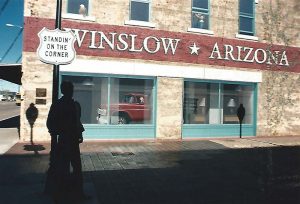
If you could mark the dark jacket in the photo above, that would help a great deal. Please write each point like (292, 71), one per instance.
(64, 120)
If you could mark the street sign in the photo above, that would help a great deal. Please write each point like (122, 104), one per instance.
(56, 46)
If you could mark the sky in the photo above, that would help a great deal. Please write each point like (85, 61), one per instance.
(11, 12)
(6, 85)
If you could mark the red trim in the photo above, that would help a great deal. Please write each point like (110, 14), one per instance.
(206, 44)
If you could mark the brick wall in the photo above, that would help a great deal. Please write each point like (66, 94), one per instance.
(175, 15)
(169, 108)
(279, 104)
(35, 75)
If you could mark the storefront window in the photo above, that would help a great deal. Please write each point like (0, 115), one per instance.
(90, 92)
(233, 96)
(216, 103)
(131, 101)
(201, 103)
(113, 101)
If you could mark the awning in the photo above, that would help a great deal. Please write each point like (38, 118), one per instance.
(11, 73)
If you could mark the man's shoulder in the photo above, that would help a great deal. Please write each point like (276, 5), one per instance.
(55, 104)
(77, 103)
(58, 104)
(62, 102)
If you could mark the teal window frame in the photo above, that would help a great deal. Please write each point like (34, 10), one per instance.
(110, 131)
(248, 16)
(221, 130)
(140, 1)
(199, 10)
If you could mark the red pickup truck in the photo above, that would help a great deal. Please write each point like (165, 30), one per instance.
(132, 108)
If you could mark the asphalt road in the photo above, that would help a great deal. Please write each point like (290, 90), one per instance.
(8, 110)
(9, 125)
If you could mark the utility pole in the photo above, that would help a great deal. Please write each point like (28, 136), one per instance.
(51, 171)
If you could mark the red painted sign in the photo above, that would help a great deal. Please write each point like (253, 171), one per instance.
(94, 39)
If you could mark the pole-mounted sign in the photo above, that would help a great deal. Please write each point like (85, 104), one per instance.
(56, 46)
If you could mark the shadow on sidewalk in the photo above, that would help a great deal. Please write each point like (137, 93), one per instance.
(34, 148)
(158, 175)
(13, 122)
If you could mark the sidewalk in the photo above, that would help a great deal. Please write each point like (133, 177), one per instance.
(252, 142)
(8, 137)
(218, 171)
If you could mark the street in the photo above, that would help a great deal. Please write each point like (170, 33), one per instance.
(8, 110)
(9, 125)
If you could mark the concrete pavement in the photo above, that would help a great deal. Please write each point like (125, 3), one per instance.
(254, 142)
(253, 170)
(8, 138)
(8, 110)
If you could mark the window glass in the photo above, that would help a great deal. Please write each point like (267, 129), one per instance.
(246, 6)
(139, 11)
(233, 96)
(246, 25)
(131, 101)
(90, 92)
(200, 4)
(113, 101)
(200, 14)
(214, 103)
(200, 20)
(78, 6)
(201, 103)
(246, 17)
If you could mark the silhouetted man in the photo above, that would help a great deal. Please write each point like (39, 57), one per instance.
(241, 114)
(64, 121)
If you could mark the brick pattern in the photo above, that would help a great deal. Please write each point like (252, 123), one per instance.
(224, 18)
(279, 104)
(286, 21)
(35, 75)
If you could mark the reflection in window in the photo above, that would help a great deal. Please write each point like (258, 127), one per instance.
(90, 92)
(201, 103)
(214, 103)
(131, 101)
(78, 7)
(113, 101)
(139, 10)
(246, 17)
(233, 96)
(200, 14)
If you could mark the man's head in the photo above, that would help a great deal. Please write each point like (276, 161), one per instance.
(66, 88)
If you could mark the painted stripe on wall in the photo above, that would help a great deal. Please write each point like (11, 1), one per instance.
(156, 70)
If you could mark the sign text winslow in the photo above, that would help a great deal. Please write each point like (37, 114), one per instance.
(124, 42)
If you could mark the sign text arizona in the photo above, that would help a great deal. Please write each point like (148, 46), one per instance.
(124, 42)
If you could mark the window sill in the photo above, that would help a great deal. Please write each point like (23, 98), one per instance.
(202, 31)
(140, 23)
(246, 37)
(78, 17)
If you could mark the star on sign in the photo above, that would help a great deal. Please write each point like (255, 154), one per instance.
(194, 49)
